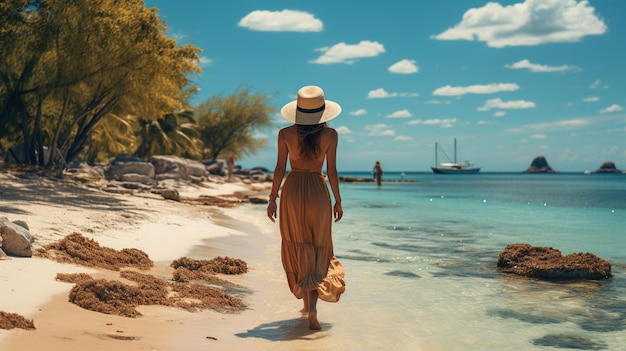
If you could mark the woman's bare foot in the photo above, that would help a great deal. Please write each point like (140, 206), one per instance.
(314, 324)
(306, 301)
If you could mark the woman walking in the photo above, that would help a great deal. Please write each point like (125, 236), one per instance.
(306, 213)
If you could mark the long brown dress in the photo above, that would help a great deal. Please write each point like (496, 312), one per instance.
(306, 231)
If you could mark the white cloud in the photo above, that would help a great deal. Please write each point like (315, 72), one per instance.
(439, 102)
(598, 85)
(381, 93)
(538, 136)
(591, 99)
(613, 108)
(552, 126)
(400, 114)
(533, 67)
(476, 89)
(379, 130)
(346, 53)
(343, 130)
(404, 67)
(359, 112)
(204, 61)
(532, 22)
(513, 104)
(402, 138)
(499, 114)
(444, 123)
(281, 21)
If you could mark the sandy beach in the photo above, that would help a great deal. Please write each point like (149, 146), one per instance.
(165, 230)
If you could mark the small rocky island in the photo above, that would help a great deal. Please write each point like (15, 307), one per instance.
(539, 165)
(608, 167)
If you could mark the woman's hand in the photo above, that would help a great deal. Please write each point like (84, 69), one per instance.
(338, 211)
(271, 211)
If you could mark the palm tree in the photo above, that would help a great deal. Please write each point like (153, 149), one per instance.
(113, 136)
(174, 134)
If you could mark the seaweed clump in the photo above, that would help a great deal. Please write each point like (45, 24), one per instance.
(78, 249)
(187, 269)
(14, 320)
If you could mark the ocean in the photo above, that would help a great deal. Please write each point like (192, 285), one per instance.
(420, 257)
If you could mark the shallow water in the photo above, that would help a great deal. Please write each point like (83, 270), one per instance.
(420, 259)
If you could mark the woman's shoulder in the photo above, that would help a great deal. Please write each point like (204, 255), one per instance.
(288, 129)
(329, 130)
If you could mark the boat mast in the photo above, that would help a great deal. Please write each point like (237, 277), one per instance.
(454, 150)
(436, 161)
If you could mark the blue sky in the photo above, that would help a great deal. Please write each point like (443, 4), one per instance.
(510, 80)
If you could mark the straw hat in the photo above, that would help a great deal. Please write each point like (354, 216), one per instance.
(310, 107)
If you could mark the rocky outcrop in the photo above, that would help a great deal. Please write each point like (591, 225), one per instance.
(15, 239)
(608, 167)
(174, 167)
(548, 263)
(539, 165)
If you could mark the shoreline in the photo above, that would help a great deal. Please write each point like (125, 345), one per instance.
(166, 231)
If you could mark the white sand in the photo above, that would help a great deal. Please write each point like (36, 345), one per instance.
(165, 230)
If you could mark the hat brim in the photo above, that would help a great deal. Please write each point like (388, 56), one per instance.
(290, 113)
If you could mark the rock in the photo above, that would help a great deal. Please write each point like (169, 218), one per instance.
(548, 263)
(137, 178)
(215, 167)
(539, 165)
(258, 200)
(170, 194)
(181, 167)
(567, 341)
(16, 241)
(117, 170)
(22, 224)
(608, 167)
(2, 254)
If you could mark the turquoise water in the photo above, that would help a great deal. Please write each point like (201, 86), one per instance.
(420, 259)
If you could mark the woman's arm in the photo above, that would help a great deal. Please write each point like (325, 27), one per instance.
(279, 174)
(333, 177)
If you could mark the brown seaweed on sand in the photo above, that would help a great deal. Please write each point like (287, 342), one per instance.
(122, 297)
(188, 269)
(78, 249)
(14, 320)
(119, 298)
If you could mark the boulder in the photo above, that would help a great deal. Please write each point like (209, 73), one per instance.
(117, 170)
(548, 263)
(539, 165)
(171, 194)
(179, 167)
(16, 240)
(608, 167)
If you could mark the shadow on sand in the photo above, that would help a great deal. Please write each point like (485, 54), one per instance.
(55, 192)
(285, 330)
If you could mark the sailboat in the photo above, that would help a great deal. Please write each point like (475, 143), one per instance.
(453, 167)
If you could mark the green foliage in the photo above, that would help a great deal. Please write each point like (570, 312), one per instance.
(174, 134)
(227, 125)
(67, 66)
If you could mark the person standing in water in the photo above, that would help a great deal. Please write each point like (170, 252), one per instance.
(378, 173)
(306, 215)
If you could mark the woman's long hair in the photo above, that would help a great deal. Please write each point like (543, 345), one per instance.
(308, 140)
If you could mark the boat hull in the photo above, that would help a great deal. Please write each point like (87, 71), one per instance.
(440, 170)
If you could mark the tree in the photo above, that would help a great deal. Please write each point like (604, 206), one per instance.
(68, 65)
(227, 125)
(175, 133)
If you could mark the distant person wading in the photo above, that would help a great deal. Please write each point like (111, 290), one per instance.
(378, 173)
